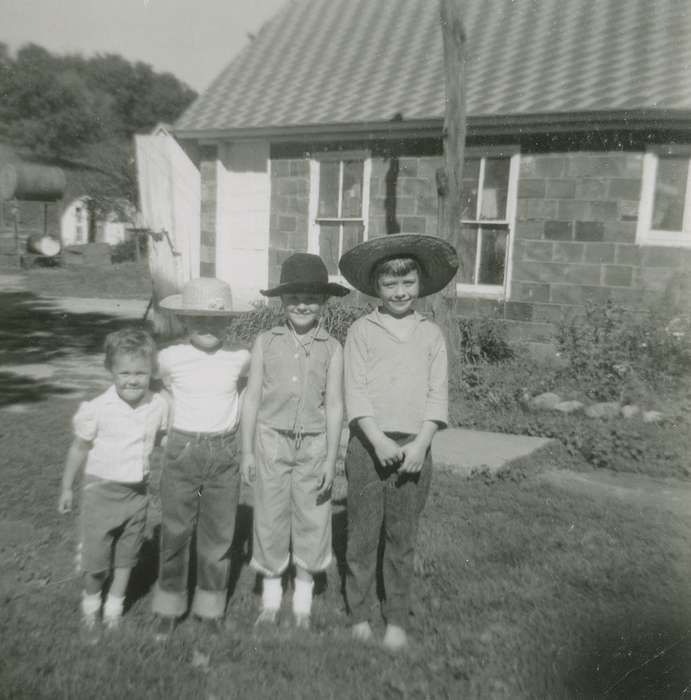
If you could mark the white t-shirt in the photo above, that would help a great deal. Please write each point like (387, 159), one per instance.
(204, 386)
(122, 437)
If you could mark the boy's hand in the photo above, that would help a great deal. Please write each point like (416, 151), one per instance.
(247, 468)
(388, 451)
(65, 501)
(414, 457)
(326, 483)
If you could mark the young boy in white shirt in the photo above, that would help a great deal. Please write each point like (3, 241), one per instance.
(114, 436)
(396, 398)
(200, 481)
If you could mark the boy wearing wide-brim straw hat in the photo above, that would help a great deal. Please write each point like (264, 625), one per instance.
(200, 482)
(396, 395)
(291, 426)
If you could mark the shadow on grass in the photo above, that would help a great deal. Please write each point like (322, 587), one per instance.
(16, 388)
(34, 331)
(634, 659)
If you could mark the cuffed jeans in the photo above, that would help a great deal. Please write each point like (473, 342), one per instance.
(200, 484)
(382, 501)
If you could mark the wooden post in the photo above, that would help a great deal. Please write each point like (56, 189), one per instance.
(449, 178)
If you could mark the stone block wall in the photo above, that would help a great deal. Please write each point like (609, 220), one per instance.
(574, 237)
(289, 226)
(208, 171)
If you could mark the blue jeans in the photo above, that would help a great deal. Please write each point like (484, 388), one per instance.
(200, 485)
(381, 502)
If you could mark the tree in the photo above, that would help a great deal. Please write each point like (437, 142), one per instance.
(449, 178)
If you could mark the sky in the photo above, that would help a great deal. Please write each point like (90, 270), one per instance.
(193, 39)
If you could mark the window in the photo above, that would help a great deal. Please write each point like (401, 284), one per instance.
(339, 205)
(664, 216)
(487, 219)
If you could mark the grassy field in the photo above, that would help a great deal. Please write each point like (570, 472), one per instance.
(123, 280)
(522, 591)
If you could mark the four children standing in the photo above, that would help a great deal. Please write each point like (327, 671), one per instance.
(396, 399)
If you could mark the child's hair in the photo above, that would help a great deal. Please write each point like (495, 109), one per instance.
(129, 341)
(396, 267)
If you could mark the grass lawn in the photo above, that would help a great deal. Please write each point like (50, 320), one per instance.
(523, 591)
(120, 281)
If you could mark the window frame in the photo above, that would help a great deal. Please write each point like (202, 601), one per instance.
(314, 220)
(646, 235)
(491, 291)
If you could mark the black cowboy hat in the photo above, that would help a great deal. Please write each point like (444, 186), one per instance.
(304, 272)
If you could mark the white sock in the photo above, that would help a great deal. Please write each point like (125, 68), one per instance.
(302, 597)
(91, 603)
(113, 606)
(272, 592)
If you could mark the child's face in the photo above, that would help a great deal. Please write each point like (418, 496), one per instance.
(303, 309)
(399, 292)
(131, 377)
(206, 332)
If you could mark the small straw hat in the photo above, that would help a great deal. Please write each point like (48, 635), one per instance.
(204, 296)
(436, 257)
(305, 272)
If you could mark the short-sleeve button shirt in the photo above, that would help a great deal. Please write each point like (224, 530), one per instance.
(294, 380)
(122, 437)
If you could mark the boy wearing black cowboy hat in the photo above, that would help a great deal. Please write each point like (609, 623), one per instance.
(291, 426)
(396, 399)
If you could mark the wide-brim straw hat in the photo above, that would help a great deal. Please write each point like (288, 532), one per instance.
(436, 257)
(305, 273)
(204, 296)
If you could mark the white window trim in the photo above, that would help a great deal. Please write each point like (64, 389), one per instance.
(313, 208)
(487, 291)
(645, 234)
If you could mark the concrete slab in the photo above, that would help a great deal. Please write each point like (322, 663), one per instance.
(464, 450)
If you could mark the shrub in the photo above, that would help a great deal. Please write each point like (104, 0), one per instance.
(126, 251)
(337, 318)
(483, 339)
(614, 352)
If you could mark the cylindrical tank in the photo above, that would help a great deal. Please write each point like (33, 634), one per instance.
(31, 182)
(43, 244)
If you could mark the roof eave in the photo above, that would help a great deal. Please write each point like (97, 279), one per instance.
(482, 125)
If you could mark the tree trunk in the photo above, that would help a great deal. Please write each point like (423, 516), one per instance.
(449, 177)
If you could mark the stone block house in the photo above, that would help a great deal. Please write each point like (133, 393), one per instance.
(327, 130)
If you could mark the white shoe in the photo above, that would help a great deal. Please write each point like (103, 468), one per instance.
(268, 617)
(111, 622)
(395, 638)
(362, 631)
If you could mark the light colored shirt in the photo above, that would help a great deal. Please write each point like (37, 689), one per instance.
(294, 373)
(204, 386)
(400, 382)
(122, 437)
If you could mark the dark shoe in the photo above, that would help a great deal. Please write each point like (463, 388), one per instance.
(165, 625)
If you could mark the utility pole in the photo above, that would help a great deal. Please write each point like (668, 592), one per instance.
(449, 177)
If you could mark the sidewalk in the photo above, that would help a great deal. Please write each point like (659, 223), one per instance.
(464, 450)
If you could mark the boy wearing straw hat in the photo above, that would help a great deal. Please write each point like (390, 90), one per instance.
(200, 481)
(396, 399)
(291, 425)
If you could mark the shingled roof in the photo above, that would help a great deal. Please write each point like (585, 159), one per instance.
(335, 65)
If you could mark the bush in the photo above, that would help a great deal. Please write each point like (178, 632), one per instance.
(337, 318)
(484, 339)
(126, 251)
(614, 352)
